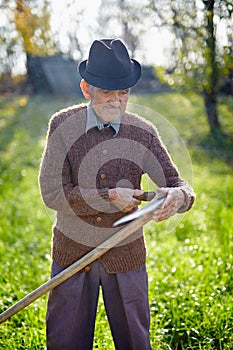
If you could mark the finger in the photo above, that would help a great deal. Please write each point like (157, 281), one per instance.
(137, 193)
(164, 191)
(157, 214)
(171, 199)
(133, 204)
(163, 214)
(146, 196)
(136, 202)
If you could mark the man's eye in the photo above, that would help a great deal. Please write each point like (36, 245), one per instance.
(124, 92)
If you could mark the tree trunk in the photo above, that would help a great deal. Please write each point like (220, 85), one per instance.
(211, 87)
(211, 111)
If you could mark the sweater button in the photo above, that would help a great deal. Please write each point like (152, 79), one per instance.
(103, 176)
(105, 152)
(98, 219)
(87, 269)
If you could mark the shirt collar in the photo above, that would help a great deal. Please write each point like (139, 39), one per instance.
(93, 121)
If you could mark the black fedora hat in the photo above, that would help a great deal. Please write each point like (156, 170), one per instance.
(109, 66)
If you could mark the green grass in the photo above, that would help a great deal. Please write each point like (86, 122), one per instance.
(190, 268)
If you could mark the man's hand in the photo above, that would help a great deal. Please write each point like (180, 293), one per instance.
(123, 198)
(174, 200)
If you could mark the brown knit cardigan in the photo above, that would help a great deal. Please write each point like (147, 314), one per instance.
(79, 167)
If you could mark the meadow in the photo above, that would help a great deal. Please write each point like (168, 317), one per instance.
(190, 268)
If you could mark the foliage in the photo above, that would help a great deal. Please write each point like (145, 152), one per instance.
(190, 269)
(33, 24)
(198, 55)
(199, 60)
(190, 54)
(25, 29)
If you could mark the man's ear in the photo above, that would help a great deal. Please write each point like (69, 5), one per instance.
(85, 89)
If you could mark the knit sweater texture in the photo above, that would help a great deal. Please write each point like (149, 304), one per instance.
(77, 170)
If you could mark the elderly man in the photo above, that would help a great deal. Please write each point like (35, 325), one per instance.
(91, 171)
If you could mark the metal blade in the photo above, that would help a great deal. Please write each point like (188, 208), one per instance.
(148, 208)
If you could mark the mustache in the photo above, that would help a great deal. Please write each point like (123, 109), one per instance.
(113, 105)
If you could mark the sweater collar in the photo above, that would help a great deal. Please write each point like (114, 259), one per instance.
(93, 121)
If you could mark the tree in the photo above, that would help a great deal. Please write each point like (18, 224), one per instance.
(32, 22)
(123, 18)
(8, 40)
(68, 37)
(25, 31)
(210, 87)
(198, 56)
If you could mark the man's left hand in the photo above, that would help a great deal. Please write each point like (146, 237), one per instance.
(174, 200)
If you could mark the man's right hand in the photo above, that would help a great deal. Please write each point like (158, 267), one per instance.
(123, 198)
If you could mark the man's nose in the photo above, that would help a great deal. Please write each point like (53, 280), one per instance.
(115, 97)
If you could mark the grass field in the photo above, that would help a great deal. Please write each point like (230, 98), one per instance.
(190, 269)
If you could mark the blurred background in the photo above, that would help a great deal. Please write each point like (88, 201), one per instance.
(186, 90)
(185, 45)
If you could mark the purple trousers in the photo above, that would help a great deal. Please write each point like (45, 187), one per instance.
(72, 309)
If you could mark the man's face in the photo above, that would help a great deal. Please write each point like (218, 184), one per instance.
(108, 104)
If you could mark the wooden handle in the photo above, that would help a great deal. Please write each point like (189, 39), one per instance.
(111, 242)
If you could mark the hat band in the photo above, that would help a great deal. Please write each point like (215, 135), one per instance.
(110, 73)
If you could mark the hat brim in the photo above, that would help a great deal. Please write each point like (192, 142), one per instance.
(120, 83)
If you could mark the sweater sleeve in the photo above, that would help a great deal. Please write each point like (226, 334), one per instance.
(164, 173)
(56, 187)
